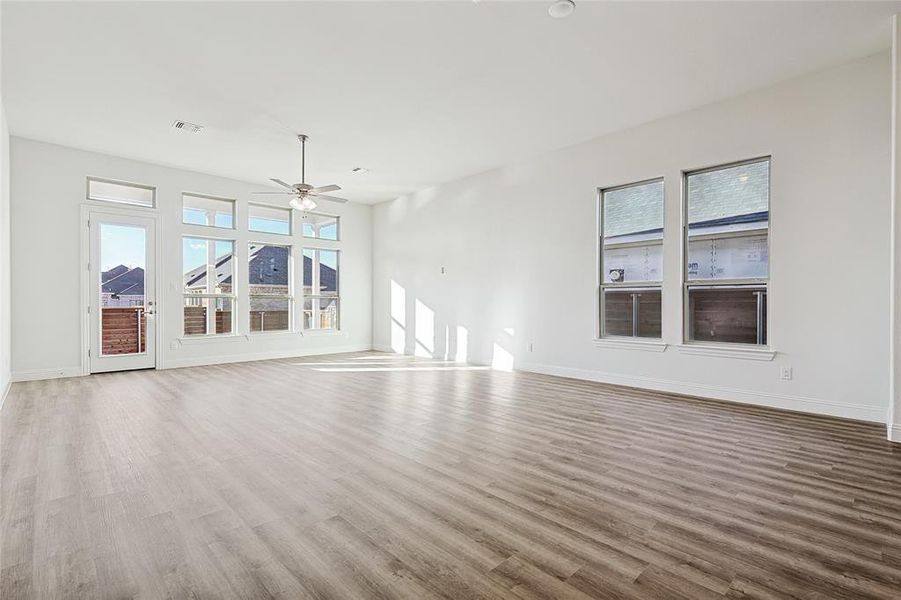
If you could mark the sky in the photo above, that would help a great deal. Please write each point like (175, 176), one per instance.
(125, 244)
(121, 245)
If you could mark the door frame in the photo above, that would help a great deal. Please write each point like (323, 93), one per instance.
(88, 209)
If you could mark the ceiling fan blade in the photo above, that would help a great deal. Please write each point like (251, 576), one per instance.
(326, 188)
(330, 198)
(277, 193)
(282, 183)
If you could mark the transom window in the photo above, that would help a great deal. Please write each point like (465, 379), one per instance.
(631, 248)
(319, 226)
(727, 267)
(269, 219)
(208, 211)
(108, 190)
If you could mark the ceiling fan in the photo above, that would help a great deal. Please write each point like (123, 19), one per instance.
(303, 192)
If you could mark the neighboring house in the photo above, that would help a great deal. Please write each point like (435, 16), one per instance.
(267, 273)
(122, 286)
(727, 228)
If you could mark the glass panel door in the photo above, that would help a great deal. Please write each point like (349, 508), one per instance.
(123, 268)
(122, 298)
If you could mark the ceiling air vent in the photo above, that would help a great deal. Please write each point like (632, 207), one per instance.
(189, 127)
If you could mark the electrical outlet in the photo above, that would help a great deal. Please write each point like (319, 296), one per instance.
(786, 373)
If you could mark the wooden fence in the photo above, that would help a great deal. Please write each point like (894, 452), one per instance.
(618, 314)
(263, 320)
(269, 320)
(725, 315)
(123, 330)
(195, 320)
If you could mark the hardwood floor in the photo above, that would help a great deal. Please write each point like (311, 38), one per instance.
(373, 476)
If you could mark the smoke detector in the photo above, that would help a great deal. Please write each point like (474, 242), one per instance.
(185, 126)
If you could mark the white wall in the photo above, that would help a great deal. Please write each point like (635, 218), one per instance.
(48, 190)
(5, 325)
(519, 249)
(5, 335)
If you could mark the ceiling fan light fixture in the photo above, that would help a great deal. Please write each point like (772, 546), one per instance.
(561, 9)
(303, 203)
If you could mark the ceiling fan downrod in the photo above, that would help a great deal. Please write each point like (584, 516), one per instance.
(303, 157)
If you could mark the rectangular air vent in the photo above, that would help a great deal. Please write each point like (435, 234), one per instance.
(189, 127)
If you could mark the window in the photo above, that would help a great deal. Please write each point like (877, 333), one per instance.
(269, 279)
(631, 245)
(269, 219)
(208, 267)
(322, 227)
(107, 190)
(727, 268)
(320, 288)
(208, 211)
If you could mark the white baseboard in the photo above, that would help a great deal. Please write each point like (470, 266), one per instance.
(384, 348)
(39, 374)
(254, 356)
(783, 401)
(47, 374)
(894, 432)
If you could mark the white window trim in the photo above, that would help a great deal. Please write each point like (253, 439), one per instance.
(211, 337)
(726, 349)
(630, 343)
(601, 337)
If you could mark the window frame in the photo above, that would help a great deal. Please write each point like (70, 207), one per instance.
(314, 297)
(233, 296)
(232, 201)
(337, 219)
(625, 286)
(290, 296)
(749, 283)
(143, 186)
(290, 212)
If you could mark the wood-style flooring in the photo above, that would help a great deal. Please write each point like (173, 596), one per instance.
(364, 476)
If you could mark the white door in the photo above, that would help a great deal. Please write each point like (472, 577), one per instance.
(122, 292)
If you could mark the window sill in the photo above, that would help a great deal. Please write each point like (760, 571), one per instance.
(322, 332)
(276, 332)
(648, 345)
(723, 351)
(212, 338)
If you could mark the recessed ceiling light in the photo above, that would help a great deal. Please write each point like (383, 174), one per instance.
(359, 170)
(561, 9)
(185, 126)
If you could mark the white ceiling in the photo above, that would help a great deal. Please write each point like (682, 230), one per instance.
(418, 92)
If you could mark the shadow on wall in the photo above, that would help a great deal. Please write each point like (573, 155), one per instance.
(416, 330)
